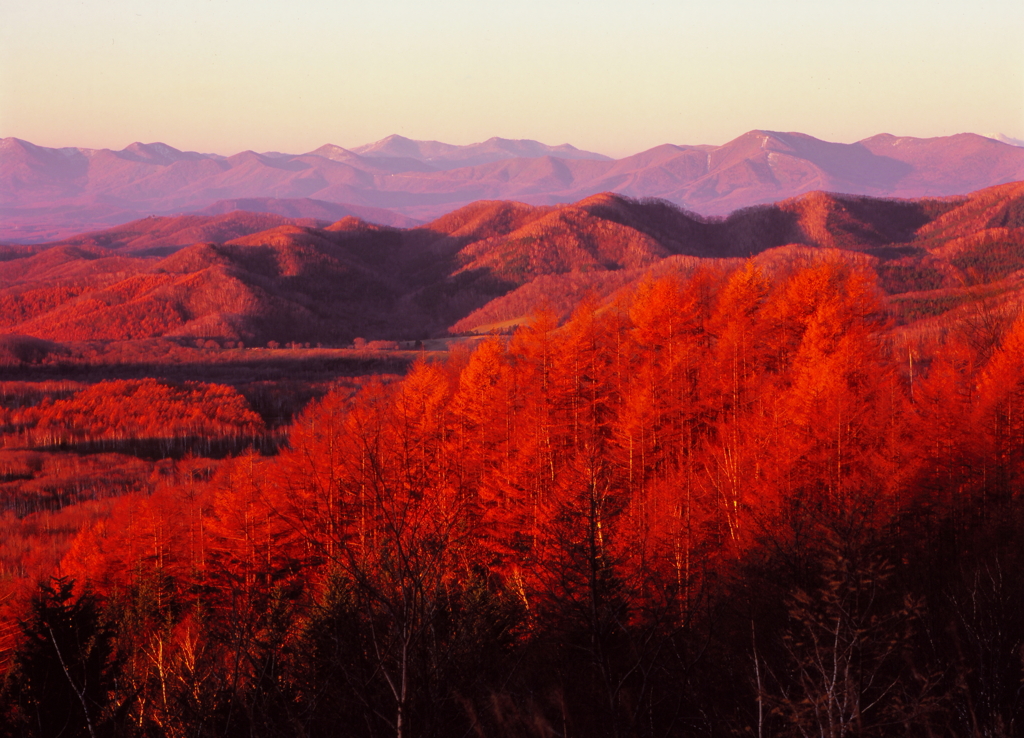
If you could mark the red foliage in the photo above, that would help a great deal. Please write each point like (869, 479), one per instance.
(624, 461)
(145, 408)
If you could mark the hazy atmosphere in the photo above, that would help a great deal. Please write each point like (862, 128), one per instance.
(222, 76)
(511, 370)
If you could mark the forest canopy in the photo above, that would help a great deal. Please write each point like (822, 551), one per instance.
(729, 504)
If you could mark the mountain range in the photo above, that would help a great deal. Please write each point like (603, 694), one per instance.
(49, 194)
(489, 265)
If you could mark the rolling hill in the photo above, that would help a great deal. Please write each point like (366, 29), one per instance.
(259, 278)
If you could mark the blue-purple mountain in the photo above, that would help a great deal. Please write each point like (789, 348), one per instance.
(47, 193)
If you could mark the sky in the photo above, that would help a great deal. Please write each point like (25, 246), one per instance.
(223, 76)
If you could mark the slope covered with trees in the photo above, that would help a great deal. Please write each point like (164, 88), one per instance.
(485, 266)
(730, 502)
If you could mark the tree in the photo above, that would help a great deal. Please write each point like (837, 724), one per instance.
(64, 671)
(401, 551)
(848, 669)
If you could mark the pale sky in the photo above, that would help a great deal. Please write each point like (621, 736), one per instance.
(616, 77)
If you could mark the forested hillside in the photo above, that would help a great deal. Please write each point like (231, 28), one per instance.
(487, 267)
(735, 499)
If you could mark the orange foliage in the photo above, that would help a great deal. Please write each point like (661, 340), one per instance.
(22, 306)
(620, 462)
(145, 408)
(669, 430)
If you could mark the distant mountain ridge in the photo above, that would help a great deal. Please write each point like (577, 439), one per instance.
(449, 156)
(1003, 138)
(47, 194)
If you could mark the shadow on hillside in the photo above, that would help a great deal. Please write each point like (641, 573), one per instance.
(746, 232)
(854, 222)
(449, 300)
